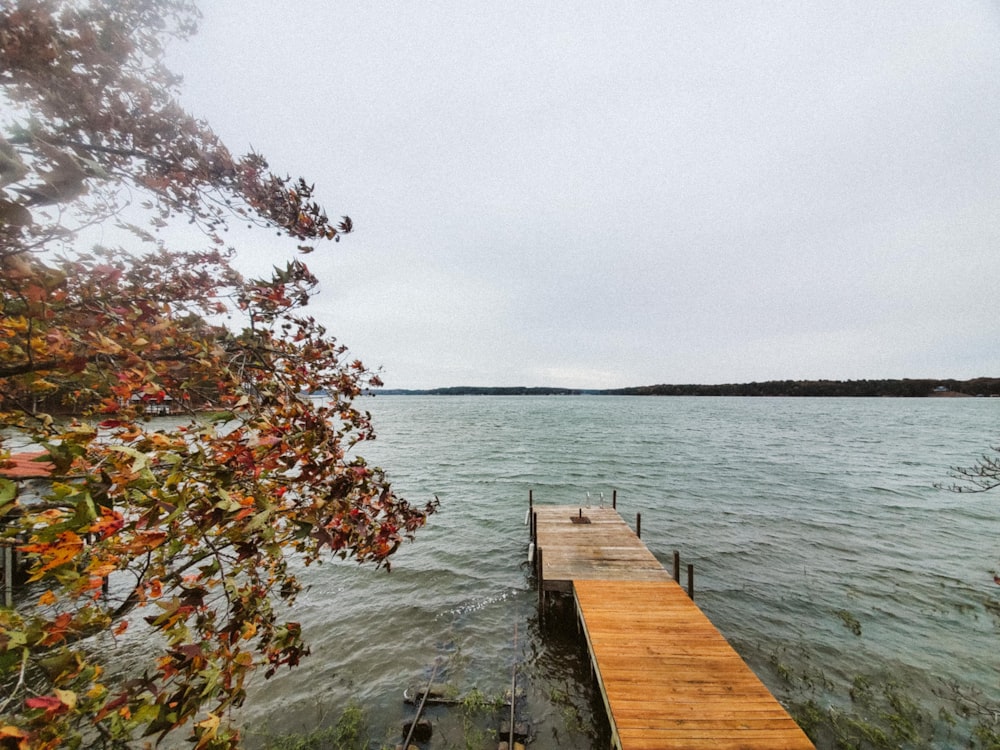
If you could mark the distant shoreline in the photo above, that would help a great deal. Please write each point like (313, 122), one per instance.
(905, 388)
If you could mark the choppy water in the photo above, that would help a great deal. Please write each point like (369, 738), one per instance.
(799, 515)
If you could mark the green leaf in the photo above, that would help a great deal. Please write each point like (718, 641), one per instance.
(8, 491)
(86, 513)
(11, 659)
(141, 459)
(259, 520)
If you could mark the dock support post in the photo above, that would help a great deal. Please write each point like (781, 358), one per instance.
(638, 525)
(8, 576)
(677, 566)
(614, 499)
(534, 527)
(691, 582)
(541, 586)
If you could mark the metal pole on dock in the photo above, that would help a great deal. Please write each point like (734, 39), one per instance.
(638, 525)
(614, 499)
(691, 581)
(677, 566)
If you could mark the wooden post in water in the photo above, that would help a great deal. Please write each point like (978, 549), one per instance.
(8, 576)
(638, 525)
(677, 566)
(691, 582)
(614, 499)
(534, 527)
(541, 584)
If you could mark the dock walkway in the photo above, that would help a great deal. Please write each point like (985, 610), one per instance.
(668, 678)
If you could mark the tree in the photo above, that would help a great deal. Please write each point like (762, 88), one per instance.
(182, 528)
(982, 476)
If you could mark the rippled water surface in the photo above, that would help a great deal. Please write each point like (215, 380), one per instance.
(801, 517)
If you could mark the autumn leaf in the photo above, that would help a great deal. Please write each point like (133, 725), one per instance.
(67, 697)
(19, 738)
(209, 728)
(65, 549)
(62, 701)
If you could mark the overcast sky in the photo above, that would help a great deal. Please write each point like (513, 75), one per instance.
(609, 194)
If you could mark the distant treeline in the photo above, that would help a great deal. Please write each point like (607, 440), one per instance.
(869, 388)
(464, 390)
(898, 388)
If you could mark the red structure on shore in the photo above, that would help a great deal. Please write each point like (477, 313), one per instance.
(26, 466)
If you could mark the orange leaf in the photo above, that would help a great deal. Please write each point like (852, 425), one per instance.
(8, 732)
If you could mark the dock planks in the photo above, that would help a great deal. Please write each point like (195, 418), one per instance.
(603, 549)
(668, 677)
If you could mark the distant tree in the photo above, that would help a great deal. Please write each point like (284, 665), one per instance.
(188, 524)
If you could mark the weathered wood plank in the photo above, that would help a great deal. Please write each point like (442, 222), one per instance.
(603, 549)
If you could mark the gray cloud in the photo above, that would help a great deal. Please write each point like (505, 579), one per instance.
(588, 195)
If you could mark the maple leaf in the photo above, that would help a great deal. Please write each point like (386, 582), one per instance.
(50, 704)
(209, 729)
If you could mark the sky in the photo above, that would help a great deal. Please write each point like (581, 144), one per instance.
(599, 195)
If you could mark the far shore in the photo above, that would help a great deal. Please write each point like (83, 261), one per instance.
(904, 388)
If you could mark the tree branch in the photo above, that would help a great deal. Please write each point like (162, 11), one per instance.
(26, 139)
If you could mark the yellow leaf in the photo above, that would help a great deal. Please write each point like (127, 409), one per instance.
(47, 598)
(210, 727)
(249, 630)
(68, 697)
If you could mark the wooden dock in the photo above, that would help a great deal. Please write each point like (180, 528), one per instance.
(668, 678)
(590, 543)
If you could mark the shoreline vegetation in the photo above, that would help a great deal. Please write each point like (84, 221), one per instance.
(905, 388)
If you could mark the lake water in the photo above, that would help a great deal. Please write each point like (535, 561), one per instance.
(807, 520)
